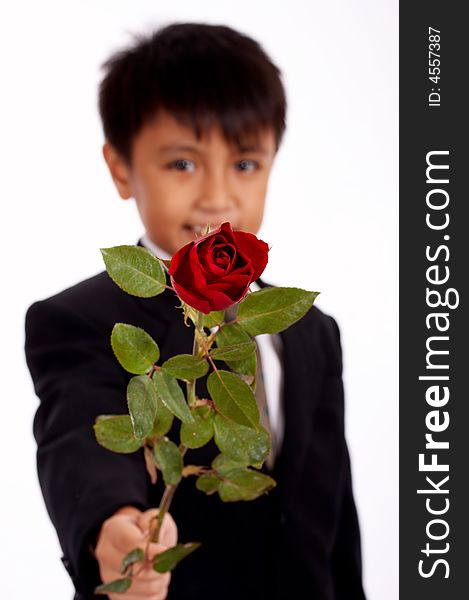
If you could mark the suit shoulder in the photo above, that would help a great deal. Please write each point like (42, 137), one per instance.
(323, 321)
(81, 300)
(83, 290)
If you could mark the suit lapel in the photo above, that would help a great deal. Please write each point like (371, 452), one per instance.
(299, 394)
(301, 381)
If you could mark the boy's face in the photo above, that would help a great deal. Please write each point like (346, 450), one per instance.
(180, 183)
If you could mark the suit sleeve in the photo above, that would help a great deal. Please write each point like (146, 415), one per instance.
(77, 378)
(346, 550)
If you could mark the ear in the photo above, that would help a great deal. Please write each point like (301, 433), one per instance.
(120, 172)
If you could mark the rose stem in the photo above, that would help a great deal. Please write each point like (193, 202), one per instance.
(164, 505)
(195, 352)
(170, 489)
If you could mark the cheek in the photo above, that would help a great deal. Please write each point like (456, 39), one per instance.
(160, 201)
(252, 205)
(174, 194)
(254, 186)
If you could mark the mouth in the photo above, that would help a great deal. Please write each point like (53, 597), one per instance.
(197, 229)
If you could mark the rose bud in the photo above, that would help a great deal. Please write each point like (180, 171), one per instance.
(216, 270)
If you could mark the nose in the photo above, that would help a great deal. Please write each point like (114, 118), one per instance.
(216, 197)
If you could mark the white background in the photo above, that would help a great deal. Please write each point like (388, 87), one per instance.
(331, 219)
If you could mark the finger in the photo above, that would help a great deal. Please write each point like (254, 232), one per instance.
(144, 590)
(161, 596)
(156, 548)
(169, 532)
(147, 517)
(125, 533)
(111, 563)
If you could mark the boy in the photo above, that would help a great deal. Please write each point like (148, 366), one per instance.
(193, 116)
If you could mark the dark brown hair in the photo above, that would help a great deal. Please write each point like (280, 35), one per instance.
(201, 74)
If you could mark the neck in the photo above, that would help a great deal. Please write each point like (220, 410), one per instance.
(154, 248)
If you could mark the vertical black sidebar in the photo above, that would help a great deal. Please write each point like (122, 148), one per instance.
(434, 273)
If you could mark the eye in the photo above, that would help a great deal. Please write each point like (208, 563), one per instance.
(246, 165)
(182, 164)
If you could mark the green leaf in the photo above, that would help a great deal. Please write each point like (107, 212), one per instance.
(118, 585)
(186, 366)
(134, 348)
(198, 433)
(207, 483)
(163, 420)
(170, 393)
(115, 432)
(167, 560)
(235, 352)
(237, 476)
(244, 484)
(142, 403)
(233, 398)
(233, 334)
(242, 444)
(168, 460)
(214, 318)
(223, 464)
(134, 556)
(273, 309)
(135, 270)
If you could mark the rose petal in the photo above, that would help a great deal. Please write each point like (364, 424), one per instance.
(236, 294)
(237, 282)
(243, 269)
(179, 257)
(219, 300)
(187, 278)
(208, 259)
(254, 249)
(194, 270)
(196, 302)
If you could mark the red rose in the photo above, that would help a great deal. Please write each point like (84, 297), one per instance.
(216, 270)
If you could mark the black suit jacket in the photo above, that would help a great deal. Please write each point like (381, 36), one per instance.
(301, 540)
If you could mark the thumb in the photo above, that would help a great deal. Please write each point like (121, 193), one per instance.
(169, 532)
